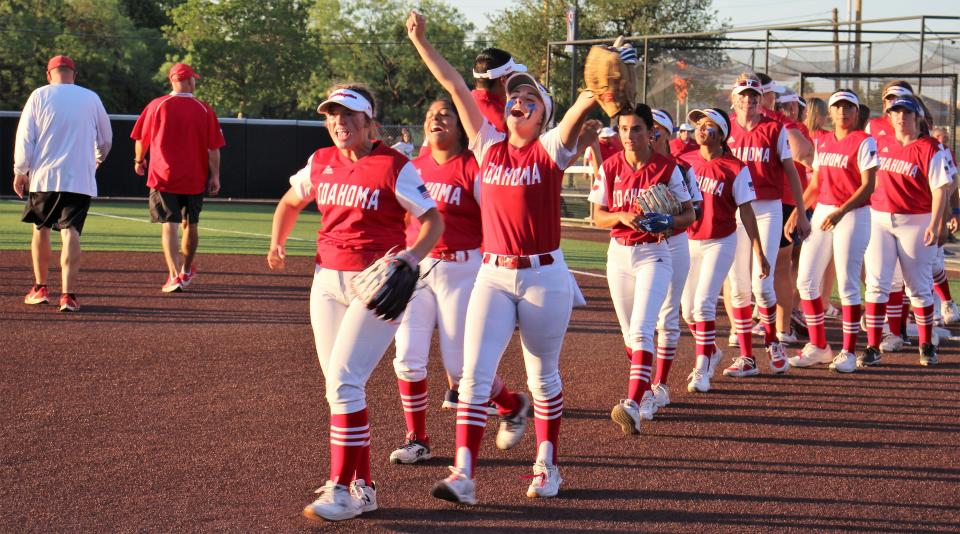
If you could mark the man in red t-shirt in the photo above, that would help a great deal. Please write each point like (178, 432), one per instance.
(684, 142)
(182, 136)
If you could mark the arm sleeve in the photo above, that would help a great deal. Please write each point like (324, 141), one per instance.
(486, 137)
(939, 170)
(550, 141)
(743, 191)
(411, 193)
(867, 157)
(104, 133)
(678, 186)
(783, 144)
(695, 194)
(26, 140)
(301, 183)
(598, 191)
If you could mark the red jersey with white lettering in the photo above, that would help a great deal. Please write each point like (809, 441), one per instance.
(725, 184)
(763, 150)
(618, 184)
(678, 148)
(520, 188)
(787, 197)
(177, 131)
(362, 203)
(879, 126)
(839, 164)
(454, 187)
(908, 174)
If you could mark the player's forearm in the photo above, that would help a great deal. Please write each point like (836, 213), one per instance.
(749, 220)
(453, 83)
(801, 148)
(686, 218)
(604, 218)
(285, 218)
(138, 152)
(213, 161)
(573, 119)
(431, 228)
(939, 203)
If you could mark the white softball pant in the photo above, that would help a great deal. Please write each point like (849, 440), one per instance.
(538, 298)
(639, 277)
(710, 261)
(350, 339)
(745, 274)
(439, 302)
(668, 324)
(848, 241)
(899, 237)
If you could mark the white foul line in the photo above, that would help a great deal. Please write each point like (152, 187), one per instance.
(584, 273)
(204, 228)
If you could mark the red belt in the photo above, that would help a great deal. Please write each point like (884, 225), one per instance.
(450, 255)
(517, 262)
(632, 243)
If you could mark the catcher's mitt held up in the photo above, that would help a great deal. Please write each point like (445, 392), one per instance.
(387, 284)
(609, 73)
(657, 199)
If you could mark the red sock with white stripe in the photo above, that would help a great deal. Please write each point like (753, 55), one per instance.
(813, 312)
(768, 318)
(413, 396)
(471, 422)
(851, 326)
(546, 420)
(895, 311)
(874, 314)
(664, 361)
(942, 286)
(705, 338)
(505, 399)
(349, 434)
(743, 323)
(363, 465)
(924, 318)
(641, 367)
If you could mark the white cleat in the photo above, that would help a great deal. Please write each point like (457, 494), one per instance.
(546, 481)
(512, 427)
(365, 494)
(457, 487)
(661, 395)
(742, 366)
(844, 362)
(334, 503)
(627, 415)
(949, 311)
(778, 358)
(759, 330)
(788, 338)
(715, 359)
(891, 343)
(411, 452)
(648, 405)
(812, 355)
(732, 340)
(699, 381)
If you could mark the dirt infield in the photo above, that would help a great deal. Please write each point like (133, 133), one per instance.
(204, 411)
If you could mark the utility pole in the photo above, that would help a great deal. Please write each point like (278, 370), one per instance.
(836, 47)
(856, 56)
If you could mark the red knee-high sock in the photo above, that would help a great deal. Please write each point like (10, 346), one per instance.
(851, 326)
(813, 311)
(903, 317)
(874, 313)
(768, 318)
(640, 368)
(942, 286)
(363, 465)
(895, 311)
(743, 322)
(505, 399)
(924, 318)
(471, 422)
(705, 338)
(664, 361)
(546, 420)
(349, 434)
(413, 396)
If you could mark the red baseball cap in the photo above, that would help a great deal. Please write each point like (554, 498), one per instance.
(60, 61)
(182, 71)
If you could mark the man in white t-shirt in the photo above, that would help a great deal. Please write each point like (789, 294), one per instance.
(62, 137)
(404, 146)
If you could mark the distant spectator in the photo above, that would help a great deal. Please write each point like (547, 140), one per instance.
(404, 146)
(684, 142)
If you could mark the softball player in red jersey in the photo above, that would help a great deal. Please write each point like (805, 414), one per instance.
(523, 278)
(727, 189)
(845, 167)
(362, 189)
(906, 221)
(880, 126)
(639, 264)
(762, 144)
(668, 324)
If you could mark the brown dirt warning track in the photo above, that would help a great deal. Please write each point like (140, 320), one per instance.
(204, 411)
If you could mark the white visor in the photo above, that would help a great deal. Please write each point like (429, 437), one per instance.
(844, 95)
(607, 131)
(712, 115)
(897, 91)
(787, 98)
(686, 127)
(773, 87)
(507, 68)
(663, 119)
(348, 99)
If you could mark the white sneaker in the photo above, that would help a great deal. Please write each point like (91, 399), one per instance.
(831, 312)
(759, 330)
(365, 494)
(891, 343)
(457, 487)
(845, 362)
(788, 338)
(546, 480)
(812, 355)
(513, 426)
(648, 405)
(627, 415)
(732, 340)
(742, 366)
(778, 358)
(411, 452)
(949, 311)
(661, 395)
(699, 381)
(334, 503)
(715, 359)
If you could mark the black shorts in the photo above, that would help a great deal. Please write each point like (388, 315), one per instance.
(57, 210)
(787, 212)
(173, 208)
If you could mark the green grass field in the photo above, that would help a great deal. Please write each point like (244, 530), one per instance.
(225, 228)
